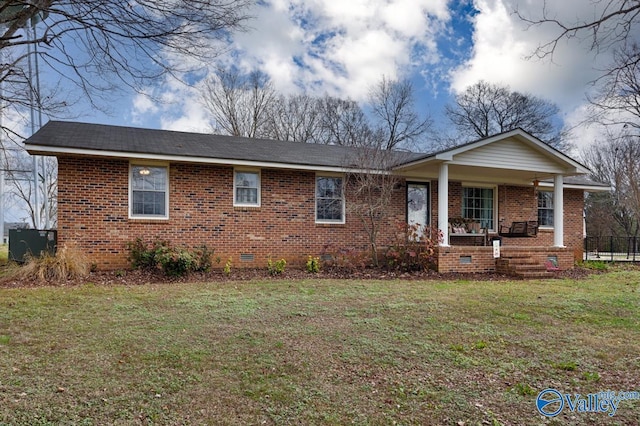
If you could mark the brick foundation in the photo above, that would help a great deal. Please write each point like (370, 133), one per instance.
(480, 259)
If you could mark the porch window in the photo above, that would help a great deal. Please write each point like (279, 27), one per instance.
(246, 188)
(478, 205)
(148, 196)
(545, 208)
(329, 199)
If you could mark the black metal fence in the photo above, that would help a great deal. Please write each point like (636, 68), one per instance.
(613, 249)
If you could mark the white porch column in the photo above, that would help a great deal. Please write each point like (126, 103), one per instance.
(443, 203)
(558, 211)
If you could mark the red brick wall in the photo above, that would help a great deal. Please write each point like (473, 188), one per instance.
(518, 204)
(93, 213)
(482, 260)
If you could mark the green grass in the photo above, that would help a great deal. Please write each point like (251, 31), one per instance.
(4, 253)
(317, 351)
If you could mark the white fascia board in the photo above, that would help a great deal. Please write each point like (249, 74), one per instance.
(588, 188)
(47, 150)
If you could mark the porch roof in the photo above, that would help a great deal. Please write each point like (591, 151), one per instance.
(513, 157)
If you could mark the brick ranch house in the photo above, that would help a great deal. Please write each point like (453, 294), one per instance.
(253, 199)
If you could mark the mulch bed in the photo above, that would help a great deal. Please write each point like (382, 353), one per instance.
(141, 277)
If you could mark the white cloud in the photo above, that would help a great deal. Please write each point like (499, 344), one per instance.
(502, 51)
(339, 47)
(142, 106)
(316, 47)
(503, 45)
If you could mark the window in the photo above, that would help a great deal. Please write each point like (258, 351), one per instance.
(148, 197)
(545, 208)
(477, 204)
(329, 199)
(246, 188)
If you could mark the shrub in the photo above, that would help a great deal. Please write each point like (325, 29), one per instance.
(227, 267)
(414, 248)
(69, 262)
(173, 261)
(596, 265)
(346, 259)
(313, 265)
(277, 267)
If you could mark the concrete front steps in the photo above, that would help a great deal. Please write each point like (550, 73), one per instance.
(521, 265)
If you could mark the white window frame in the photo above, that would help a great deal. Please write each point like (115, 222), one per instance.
(315, 197)
(166, 191)
(236, 203)
(546, 208)
(495, 200)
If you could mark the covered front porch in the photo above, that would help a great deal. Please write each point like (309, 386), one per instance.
(509, 187)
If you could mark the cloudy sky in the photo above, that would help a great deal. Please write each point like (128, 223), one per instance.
(343, 47)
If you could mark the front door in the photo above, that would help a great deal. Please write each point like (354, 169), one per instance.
(418, 205)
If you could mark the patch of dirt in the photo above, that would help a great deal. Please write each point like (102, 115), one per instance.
(141, 277)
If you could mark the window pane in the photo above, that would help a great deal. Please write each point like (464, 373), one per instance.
(148, 203)
(545, 208)
(247, 195)
(477, 204)
(148, 191)
(329, 209)
(246, 187)
(329, 199)
(149, 178)
(246, 180)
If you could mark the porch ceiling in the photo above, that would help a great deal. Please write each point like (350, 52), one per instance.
(501, 174)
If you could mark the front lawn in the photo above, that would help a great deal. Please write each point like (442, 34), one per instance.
(318, 351)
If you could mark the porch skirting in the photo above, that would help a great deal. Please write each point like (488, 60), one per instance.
(476, 259)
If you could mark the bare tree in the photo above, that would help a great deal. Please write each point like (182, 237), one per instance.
(485, 109)
(343, 123)
(239, 104)
(618, 102)
(609, 26)
(371, 190)
(295, 118)
(97, 48)
(102, 46)
(618, 163)
(396, 122)
(20, 179)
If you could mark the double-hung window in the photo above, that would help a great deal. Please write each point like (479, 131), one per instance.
(329, 199)
(545, 208)
(478, 205)
(246, 188)
(148, 192)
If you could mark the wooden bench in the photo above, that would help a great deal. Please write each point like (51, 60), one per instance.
(522, 229)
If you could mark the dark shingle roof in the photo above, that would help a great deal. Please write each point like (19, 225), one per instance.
(99, 137)
(60, 136)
